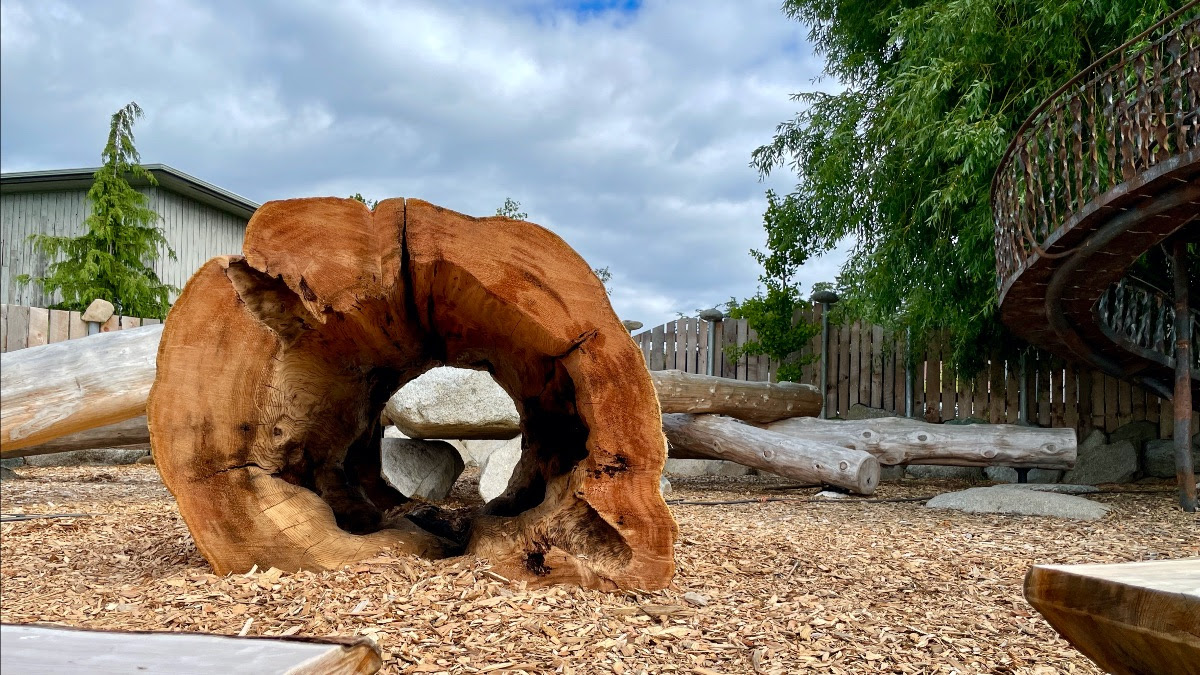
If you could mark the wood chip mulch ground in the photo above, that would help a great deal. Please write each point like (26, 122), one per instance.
(763, 587)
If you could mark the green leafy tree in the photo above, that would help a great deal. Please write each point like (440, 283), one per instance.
(114, 259)
(371, 203)
(777, 315)
(901, 157)
(512, 209)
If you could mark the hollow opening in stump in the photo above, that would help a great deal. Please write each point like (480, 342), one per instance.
(274, 369)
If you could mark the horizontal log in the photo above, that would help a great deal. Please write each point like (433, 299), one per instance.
(761, 402)
(53, 390)
(718, 437)
(899, 440)
(132, 431)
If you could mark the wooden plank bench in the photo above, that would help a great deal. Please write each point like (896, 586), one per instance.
(1141, 617)
(33, 649)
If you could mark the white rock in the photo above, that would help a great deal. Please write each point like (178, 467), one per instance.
(393, 432)
(695, 598)
(454, 403)
(498, 469)
(830, 494)
(664, 485)
(425, 469)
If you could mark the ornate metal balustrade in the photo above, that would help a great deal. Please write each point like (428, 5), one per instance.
(1141, 319)
(1132, 116)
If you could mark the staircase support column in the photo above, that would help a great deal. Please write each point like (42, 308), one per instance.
(1184, 471)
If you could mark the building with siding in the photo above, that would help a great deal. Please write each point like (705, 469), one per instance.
(201, 220)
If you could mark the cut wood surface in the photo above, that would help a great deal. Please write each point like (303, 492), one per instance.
(1141, 617)
(132, 431)
(680, 392)
(55, 649)
(274, 369)
(717, 437)
(58, 389)
(899, 440)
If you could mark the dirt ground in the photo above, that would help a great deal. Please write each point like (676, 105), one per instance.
(790, 586)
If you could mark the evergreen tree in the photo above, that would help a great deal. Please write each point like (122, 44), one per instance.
(114, 259)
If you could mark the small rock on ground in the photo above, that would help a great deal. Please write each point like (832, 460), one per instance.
(664, 486)
(8, 474)
(695, 598)
(830, 494)
(1019, 502)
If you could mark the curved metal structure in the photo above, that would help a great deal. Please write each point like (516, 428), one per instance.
(1107, 168)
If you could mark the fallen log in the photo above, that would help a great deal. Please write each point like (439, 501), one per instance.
(899, 440)
(716, 437)
(274, 369)
(57, 389)
(132, 431)
(762, 402)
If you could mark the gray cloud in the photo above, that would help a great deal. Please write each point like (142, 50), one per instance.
(628, 133)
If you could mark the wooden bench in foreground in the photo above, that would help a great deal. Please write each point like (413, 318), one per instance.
(1141, 617)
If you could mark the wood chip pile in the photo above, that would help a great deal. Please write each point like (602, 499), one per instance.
(773, 587)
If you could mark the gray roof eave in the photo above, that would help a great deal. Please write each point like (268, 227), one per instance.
(167, 177)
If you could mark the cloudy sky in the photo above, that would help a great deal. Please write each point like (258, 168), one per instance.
(625, 127)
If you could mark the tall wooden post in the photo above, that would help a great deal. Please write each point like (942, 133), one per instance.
(1184, 472)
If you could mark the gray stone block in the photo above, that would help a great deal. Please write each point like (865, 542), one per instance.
(965, 421)
(1063, 488)
(1019, 502)
(454, 403)
(1138, 433)
(859, 411)
(97, 457)
(1006, 474)
(705, 467)
(12, 462)
(891, 473)
(425, 469)
(937, 471)
(1160, 458)
(1109, 463)
(498, 469)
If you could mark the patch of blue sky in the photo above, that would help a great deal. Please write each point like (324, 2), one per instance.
(547, 11)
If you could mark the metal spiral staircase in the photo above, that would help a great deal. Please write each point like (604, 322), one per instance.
(1105, 170)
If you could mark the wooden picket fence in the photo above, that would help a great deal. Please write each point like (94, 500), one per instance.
(867, 366)
(22, 327)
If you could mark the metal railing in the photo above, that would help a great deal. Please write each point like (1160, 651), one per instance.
(1141, 319)
(1134, 112)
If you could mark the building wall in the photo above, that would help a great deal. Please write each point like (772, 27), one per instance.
(195, 231)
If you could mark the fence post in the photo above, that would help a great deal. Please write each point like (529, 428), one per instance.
(1022, 393)
(827, 300)
(908, 373)
(712, 316)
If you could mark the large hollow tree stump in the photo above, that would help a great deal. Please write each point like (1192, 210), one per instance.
(274, 368)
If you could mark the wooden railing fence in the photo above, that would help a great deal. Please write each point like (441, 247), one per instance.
(22, 327)
(867, 366)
